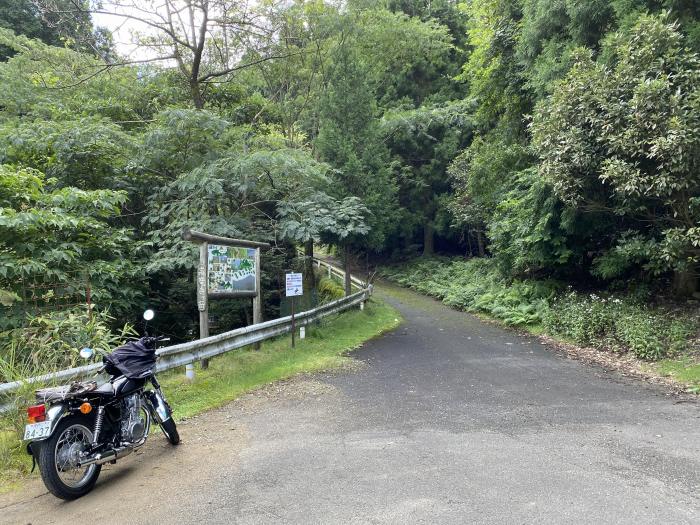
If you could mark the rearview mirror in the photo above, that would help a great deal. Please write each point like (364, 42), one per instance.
(86, 353)
(149, 314)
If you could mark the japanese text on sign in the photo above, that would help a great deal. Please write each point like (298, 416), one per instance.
(294, 284)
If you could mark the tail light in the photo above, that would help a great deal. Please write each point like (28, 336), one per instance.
(36, 414)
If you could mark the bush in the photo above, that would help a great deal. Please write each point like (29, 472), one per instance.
(53, 341)
(329, 290)
(476, 285)
(621, 325)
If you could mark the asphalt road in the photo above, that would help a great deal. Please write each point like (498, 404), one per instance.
(449, 420)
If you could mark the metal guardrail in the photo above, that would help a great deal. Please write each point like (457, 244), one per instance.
(186, 353)
(334, 271)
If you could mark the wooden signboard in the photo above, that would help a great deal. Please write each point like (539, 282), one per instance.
(227, 268)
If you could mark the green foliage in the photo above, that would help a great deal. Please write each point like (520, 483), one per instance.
(476, 285)
(25, 17)
(349, 140)
(530, 230)
(621, 325)
(624, 137)
(549, 33)
(480, 177)
(423, 141)
(58, 239)
(53, 341)
(329, 289)
(89, 153)
(323, 217)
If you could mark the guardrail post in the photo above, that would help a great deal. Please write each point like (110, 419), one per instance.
(329, 272)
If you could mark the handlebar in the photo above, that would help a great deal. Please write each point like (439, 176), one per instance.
(151, 341)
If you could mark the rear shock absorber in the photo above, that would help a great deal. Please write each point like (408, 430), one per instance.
(98, 425)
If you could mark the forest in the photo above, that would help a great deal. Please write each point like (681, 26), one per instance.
(547, 151)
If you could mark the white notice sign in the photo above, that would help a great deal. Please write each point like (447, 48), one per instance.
(294, 284)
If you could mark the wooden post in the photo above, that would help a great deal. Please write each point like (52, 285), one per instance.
(348, 282)
(257, 300)
(204, 240)
(309, 276)
(204, 312)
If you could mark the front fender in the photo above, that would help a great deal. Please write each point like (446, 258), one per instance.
(157, 406)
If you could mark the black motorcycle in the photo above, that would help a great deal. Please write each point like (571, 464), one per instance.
(79, 427)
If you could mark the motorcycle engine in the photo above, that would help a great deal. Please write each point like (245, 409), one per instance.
(133, 425)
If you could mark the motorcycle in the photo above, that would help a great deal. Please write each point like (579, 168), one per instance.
(77, 428)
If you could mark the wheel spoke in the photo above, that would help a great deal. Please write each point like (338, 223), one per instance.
(70, 444)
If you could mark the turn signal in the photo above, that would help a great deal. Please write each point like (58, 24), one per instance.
(86, 408)
(36, 414)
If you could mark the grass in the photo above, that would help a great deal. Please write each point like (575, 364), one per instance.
(326, 347)
(231, 375)
(683, 370)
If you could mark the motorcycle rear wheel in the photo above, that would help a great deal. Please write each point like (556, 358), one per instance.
(58, 454)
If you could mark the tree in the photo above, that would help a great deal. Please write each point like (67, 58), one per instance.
(323, 218)
(206, 40)
(423, 142)
(350, 140)
(55, 241)
(622, 137)
(24, 17)
(481, 176)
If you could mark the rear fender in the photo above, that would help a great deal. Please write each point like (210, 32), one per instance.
(55, 414)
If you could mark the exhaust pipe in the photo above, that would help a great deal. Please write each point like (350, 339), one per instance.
(105, 457)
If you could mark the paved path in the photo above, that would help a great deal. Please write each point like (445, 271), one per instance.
(451, 420)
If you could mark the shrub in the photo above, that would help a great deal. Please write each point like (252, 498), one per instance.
(329, 290)
(53, 341)
(476, 285)
(621, 325)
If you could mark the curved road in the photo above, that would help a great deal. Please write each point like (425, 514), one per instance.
(450, 420)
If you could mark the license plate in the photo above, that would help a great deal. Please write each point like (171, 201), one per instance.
(37, 430)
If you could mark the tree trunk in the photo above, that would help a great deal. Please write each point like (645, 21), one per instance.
(428, 239)
(346, 268)
(685, 282)
(480, 242)
(196, 93)
(309, 278)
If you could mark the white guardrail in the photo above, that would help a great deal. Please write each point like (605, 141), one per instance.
(334, 271)
(175, 356)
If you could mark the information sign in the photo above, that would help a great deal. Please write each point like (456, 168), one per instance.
(294, 284)
(231, 270)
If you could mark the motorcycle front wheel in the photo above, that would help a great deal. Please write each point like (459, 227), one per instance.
(170, 430)
(58, 457)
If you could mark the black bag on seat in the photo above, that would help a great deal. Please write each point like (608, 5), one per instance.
(135, 360)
